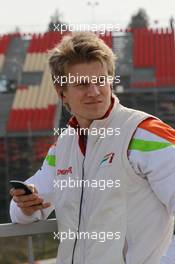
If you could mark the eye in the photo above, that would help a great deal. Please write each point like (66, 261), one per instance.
(102, 80)
(81, 84)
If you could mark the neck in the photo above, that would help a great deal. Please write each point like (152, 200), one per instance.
(84, 123)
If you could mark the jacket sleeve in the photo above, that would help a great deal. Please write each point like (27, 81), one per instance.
(169, 258)
(43, 180)
(151, 153)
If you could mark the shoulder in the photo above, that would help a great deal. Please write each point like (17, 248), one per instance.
(158, 128)
(152, 134)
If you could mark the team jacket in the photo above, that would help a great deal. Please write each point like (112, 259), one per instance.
(141, 159)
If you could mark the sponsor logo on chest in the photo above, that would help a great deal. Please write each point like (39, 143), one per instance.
(64, 171)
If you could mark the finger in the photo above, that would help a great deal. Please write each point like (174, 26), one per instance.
(30, 203)
(34, 208)
(15, 192)
(26, 198)
(46, 205)
(43, 206)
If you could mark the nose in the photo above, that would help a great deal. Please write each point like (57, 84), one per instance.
(93, 90)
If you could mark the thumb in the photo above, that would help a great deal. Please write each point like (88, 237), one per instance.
(32, 188)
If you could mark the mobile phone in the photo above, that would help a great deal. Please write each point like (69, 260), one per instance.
(20, 185)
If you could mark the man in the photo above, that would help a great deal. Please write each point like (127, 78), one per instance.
(134, 160)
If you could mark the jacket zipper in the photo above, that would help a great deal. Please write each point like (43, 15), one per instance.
(80, 210)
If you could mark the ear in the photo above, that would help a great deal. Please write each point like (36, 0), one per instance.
(60, 93)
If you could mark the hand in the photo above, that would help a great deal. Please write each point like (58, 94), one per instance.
(28, 203)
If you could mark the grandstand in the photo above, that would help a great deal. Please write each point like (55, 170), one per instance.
(30, 108)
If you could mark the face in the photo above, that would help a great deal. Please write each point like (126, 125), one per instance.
(89, 95)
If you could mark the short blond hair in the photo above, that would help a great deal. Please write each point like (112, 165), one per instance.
(80, 47)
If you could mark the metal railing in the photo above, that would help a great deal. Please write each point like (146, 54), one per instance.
(39, 227)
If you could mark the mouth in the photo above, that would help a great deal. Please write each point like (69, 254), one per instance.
(92, 103)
